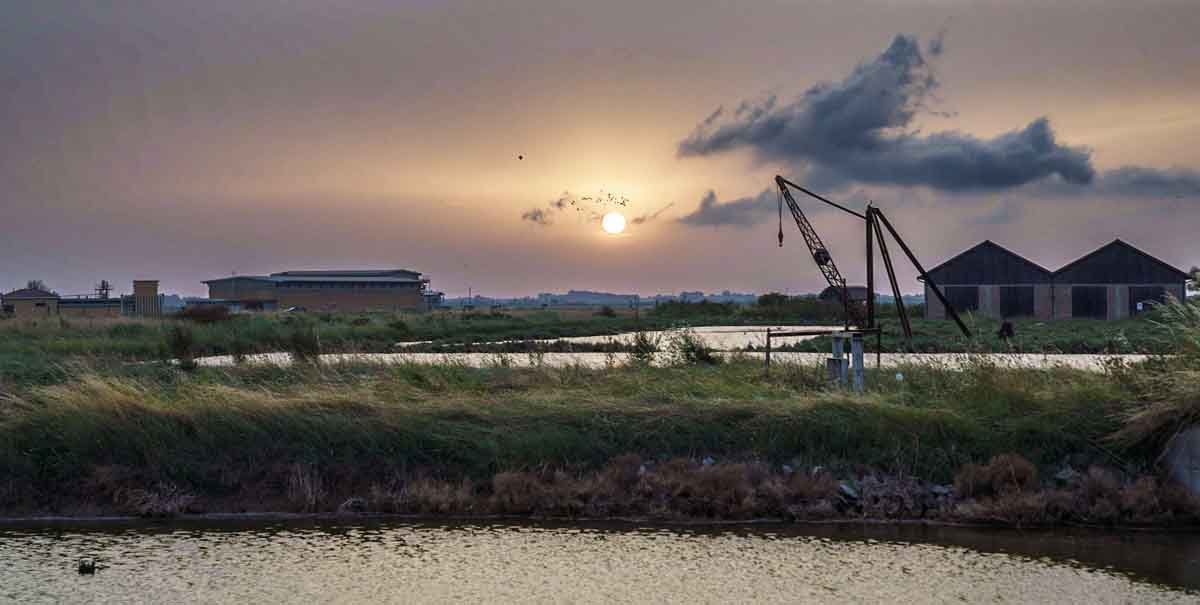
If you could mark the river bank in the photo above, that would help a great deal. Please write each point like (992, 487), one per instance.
(696, 441)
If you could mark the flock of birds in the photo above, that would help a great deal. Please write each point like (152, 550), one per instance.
(595, 206)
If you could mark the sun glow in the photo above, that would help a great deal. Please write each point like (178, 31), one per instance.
(613, 223)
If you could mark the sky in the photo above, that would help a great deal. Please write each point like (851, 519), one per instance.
(185, 141)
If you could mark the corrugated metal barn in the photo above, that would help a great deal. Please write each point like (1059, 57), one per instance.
(1112, 282)
(991, 280)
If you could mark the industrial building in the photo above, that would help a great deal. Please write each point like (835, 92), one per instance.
(1113, 282)
(35, 303)
(358, 290)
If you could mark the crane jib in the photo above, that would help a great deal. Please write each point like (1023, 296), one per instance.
(816, 248)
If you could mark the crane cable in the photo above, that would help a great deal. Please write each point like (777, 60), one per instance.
(780, 218)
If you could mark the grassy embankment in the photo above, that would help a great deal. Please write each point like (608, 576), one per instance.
(89, 432)
(34, 351)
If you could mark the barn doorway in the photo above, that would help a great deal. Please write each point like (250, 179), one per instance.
(1090, 302)
(1016, 301)
(963, 298)
(1146, 296)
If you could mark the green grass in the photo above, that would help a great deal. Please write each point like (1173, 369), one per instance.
(193, 428)
(1141, 335)
(80, 405)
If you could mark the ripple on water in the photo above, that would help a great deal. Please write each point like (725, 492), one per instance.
(489, 562)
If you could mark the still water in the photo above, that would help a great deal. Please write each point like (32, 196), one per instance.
(402, 562)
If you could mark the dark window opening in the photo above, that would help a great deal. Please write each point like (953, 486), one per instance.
(1016, 301)
(963, 298)
(1089, 302)
(1147, 296)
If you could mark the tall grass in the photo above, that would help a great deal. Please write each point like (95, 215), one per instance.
(216, 430)
(1167, 391)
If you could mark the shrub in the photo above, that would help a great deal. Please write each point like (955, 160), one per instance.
(304, 343)
(400, 327)
(1004, 474)
(689, 349)
(181, 345)
(644, 347)
(204, 313)
(606, 311)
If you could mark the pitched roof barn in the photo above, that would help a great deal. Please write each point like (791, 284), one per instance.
(1118, 263)
(989, 263)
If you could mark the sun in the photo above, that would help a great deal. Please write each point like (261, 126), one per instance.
(613, 223)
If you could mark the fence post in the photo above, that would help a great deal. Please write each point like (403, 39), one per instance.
(768, 355)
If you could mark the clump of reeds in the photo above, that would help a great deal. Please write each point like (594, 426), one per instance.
(303, 342)
(1167, 389)
(164, 499)
(644, 347)
(688, 348)
(305, 487)
(181, 345)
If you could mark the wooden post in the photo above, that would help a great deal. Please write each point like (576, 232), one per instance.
(768, 355)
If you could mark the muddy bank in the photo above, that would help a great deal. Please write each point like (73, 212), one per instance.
(1008, 491)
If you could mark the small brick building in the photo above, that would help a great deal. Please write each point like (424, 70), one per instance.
(1113, 282)
(30, 303)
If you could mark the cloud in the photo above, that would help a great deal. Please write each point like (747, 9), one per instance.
(742, 212)
(1132, 182)
(860, 130)
(646, 218)
(537, 216)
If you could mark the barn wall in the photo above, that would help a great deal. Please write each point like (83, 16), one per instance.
(933, 306)
(1062, 301)
(1118, 298)
(1043, 301)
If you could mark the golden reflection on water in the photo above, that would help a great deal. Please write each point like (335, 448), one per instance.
(394, 563)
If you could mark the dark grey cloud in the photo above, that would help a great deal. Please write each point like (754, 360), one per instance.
(742, 212)
(537, 216)
(859, 130)
(646, 218)
(1137, 182)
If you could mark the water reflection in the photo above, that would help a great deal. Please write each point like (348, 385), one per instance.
(422, 562)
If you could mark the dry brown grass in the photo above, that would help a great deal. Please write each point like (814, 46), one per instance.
(1004, 474)
(1097, 497)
